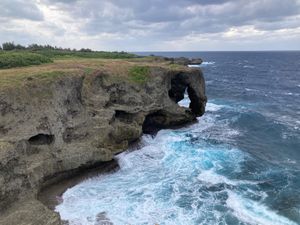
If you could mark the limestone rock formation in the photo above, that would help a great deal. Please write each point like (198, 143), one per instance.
(49, 130)
(186, 61)
(180, 60)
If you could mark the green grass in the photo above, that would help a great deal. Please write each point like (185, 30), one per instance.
(18, 59)
(23, 79)
(60, 54)
(176, 66)
(139, 74)
(48, 76)
(88, 70)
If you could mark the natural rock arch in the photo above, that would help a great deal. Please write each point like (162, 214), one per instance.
(195, 89)
(176, 116)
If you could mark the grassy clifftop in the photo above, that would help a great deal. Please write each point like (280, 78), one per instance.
(20, 58)
(137, 70)
(20, 65)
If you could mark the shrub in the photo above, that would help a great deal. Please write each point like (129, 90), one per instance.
(139, 74)
(55, 53)
(15, 55)
(17, 59)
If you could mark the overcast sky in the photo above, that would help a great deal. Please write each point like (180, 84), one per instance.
(153, 25)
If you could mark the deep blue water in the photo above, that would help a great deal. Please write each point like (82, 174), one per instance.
(240, 164)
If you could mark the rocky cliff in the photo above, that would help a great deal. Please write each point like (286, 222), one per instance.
(57, 119)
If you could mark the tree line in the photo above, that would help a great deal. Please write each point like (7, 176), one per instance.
(9, 46)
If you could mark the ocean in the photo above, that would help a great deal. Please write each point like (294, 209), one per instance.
(239, 165)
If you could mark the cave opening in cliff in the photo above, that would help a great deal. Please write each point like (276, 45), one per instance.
(153, 122)
(41, 139)
(124, 116)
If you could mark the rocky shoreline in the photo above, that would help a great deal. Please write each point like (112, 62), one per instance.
(50, 195)
(56, 129)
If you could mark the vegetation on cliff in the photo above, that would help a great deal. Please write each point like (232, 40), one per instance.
(139, 74)
(134, 70)
(75, 113)
(15, 55)
(17, 59)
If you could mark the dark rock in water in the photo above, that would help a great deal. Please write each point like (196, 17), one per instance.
(180, 60)
(185, 61)
(102, 219)
(196, 61)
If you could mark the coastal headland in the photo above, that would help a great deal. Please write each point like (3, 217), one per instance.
(67, 116)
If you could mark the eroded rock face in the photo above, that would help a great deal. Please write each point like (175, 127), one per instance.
(196, 92)
(76, 122)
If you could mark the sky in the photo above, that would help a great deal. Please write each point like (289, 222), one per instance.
(153, 25)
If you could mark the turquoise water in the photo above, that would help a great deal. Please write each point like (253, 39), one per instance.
(238, 165)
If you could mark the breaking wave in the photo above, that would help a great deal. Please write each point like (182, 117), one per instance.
(185, 176)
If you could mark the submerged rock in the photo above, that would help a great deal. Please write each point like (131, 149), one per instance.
(51, 129)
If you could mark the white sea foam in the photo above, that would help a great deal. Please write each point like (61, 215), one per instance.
(288, 93)
(249, 66)
(196, 66)
(254, 212)
(202, 64)
(252, 90)
(208, 63)
(185, 102)
(212, 178)
(212, 107)
(138, 192)
(159, 183)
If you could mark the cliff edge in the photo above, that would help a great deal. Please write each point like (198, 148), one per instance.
(74, 114)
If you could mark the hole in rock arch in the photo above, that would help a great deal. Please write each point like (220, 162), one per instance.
(178, 87)
(186, 101)
(180, 91)
(41, 139)
(182, 83)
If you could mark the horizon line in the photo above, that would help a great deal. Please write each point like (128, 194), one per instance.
(218, 51)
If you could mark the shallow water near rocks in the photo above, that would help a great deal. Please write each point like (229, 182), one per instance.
(240, 164)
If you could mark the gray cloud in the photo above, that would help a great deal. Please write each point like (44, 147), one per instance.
(157, 21)
(180, 16)
(20, 9)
